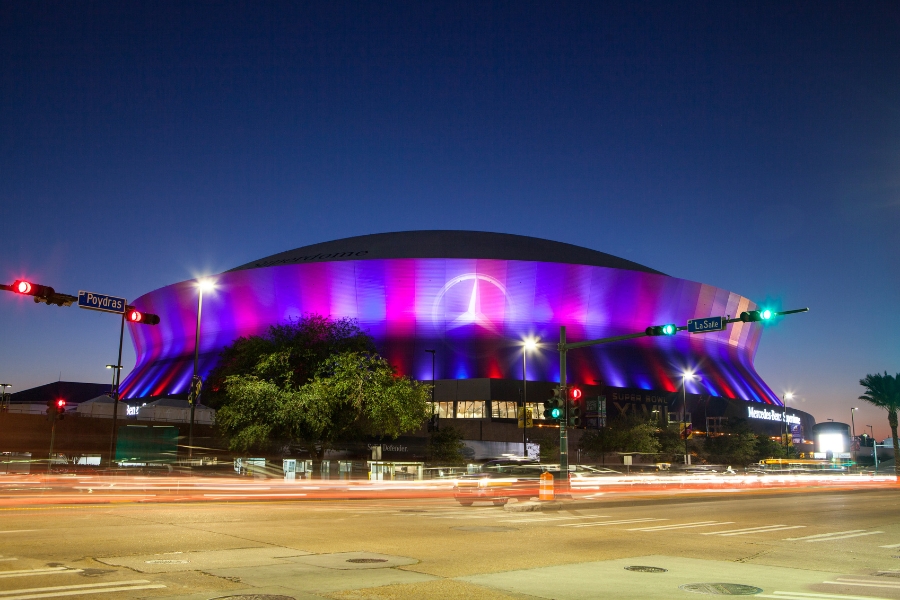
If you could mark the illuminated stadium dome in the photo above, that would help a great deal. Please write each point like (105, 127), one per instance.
(473, 297)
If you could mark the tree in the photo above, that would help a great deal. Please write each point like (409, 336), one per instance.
(298, 347)
(632, 434)
(445, 446)
(738, 446)
(354, 396)
(883, 391)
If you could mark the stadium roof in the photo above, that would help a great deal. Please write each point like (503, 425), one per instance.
(447, 244)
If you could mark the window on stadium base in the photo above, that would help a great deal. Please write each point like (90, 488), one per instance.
(444, 410)
(504, 410)
(470, 409)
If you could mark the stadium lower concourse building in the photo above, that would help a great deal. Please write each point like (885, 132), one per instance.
(474, 298)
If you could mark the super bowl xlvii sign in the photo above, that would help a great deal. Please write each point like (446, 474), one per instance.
(771, 415)
(706, 324)
(102, 302)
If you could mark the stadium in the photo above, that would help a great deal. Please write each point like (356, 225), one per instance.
(474, 298)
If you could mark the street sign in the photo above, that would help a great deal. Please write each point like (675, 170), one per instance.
(706, 325)
(524, 418)
(101, 302)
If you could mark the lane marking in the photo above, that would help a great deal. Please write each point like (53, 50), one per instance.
(810, 537)
(603, 523)
(844, 537)
(541, 519)
(130, 588)
(80, 586)
(749, 530)
(46, 571)
(682, 526)
(6, 559)
(864, 583)
(18, 530)
(890, 546)
(797, 595)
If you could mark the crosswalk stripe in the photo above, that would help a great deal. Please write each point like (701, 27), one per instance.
(79, 586)
(128, 588)
(890, 546)
(747, 530)
(819, 535)
(682, 526)
(803, 595)
(540, 519)
(602, 523)
(844, 537)
(864, 583)
(46, 571)
(6, 559)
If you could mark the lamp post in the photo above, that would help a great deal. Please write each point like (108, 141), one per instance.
(853, 423)
(784, 428)
(684, 377)
(874, 447)
(529, 344)
(194, 395)
(3, 406)
(433, 407)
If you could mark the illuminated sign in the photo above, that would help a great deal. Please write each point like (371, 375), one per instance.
(771, 415)
(132, 411)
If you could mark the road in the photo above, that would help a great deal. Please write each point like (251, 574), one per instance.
(790, 544)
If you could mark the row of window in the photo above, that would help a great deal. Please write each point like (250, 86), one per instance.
(477, 409)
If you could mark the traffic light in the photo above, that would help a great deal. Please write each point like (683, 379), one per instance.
(554, 406)
(757, 315)
(670, 329)
(136, 316)
(56, 409)
(574, 411)
(26, 288)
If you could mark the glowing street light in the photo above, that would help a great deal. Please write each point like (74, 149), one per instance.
(203, 285)
(785, 432)
(527, 345)
(685, 376)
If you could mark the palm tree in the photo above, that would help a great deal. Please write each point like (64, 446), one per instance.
(884, 392)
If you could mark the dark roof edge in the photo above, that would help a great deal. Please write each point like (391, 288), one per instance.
(440, 243)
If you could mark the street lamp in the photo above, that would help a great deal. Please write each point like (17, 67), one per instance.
(874, 447)
(785, 432)
(3, 396)
(203, 285)
(853, 423)
(114, 394)
(529, 344)
(684, 378)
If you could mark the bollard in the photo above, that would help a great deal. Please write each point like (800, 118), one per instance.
(546, 489)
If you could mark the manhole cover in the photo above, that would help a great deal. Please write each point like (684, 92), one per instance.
(721, 589)
(366, 560)
(485, 529)
(255, 597)
(166, 561)
(643, 569)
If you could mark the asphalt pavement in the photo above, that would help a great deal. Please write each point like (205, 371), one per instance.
(796, 544)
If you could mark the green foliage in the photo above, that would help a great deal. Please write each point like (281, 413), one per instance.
(632, 434)
(329, 392)
(741, 446)
(883, 391)
(445, 446)
(547, 439)
(290, 353)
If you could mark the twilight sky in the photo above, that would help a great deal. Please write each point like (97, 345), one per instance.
(754, 147)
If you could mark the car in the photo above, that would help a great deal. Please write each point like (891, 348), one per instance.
(499, 480)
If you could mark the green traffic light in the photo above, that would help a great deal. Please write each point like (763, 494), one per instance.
(766, 314)
(555, 413)
(668, 330)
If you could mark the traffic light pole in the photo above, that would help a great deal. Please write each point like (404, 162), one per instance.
(565, 346)
(112, 435)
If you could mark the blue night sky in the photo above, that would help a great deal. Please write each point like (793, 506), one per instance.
(754, 147)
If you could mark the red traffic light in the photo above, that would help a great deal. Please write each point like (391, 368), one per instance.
(575, 393)
(60, 404)
(26, 288)
(136, 316)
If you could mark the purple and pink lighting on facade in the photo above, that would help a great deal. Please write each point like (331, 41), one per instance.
(475, 312)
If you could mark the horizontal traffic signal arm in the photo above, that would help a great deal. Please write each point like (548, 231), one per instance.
(40, 293)
(670, 329)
